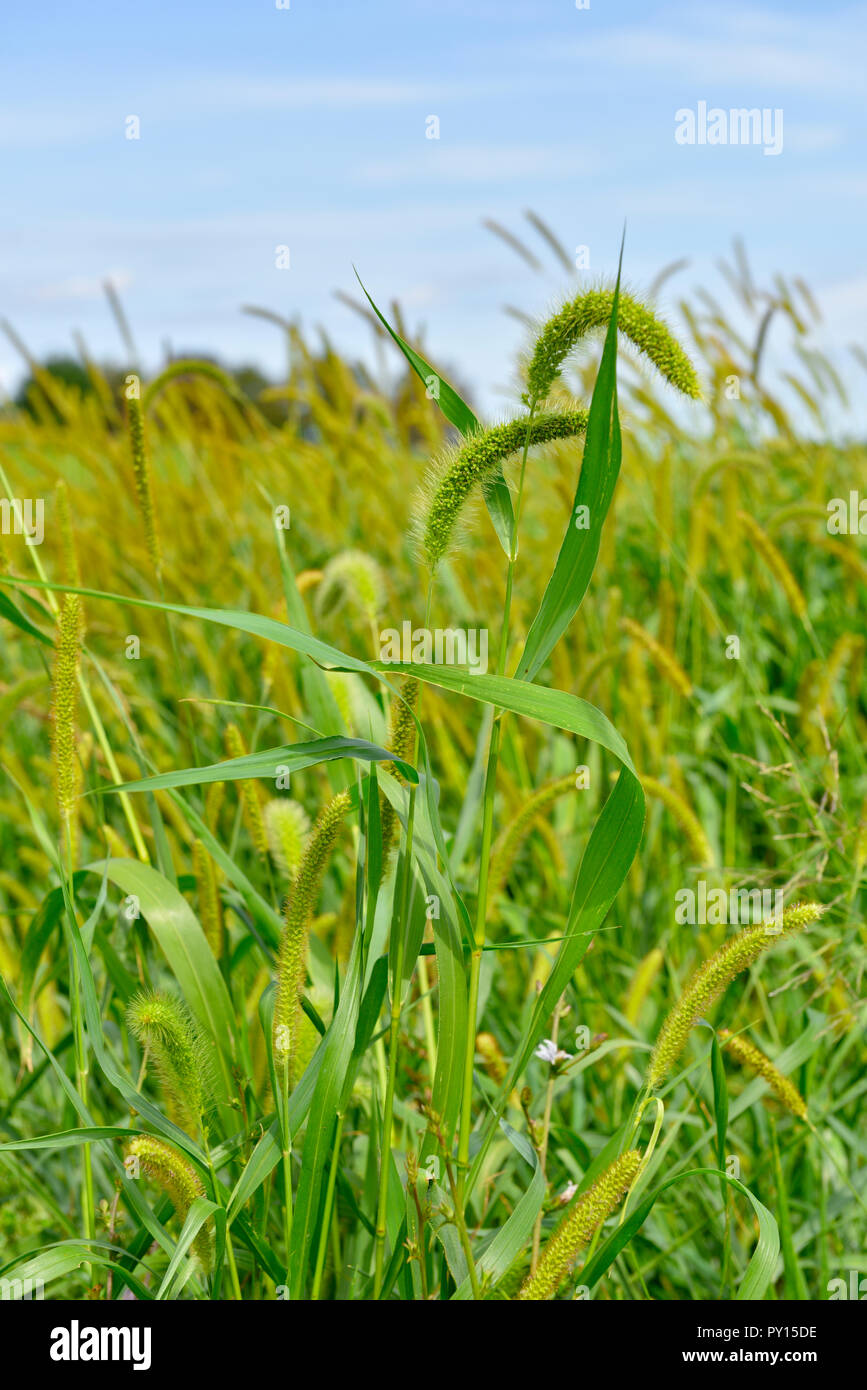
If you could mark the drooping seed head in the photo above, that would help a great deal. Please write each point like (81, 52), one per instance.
(352, 577)
(752, 1057)
(775, 563)
(251, 805)
(711, 978)
(454, 475)
(579, 1225)
(635, 321)
(511, 838)
(664, 660)
(64, 724)
(178, 1179)
(164, 1026)
(289, 1017)
(699, 845)
(210, 907)
(287, 825)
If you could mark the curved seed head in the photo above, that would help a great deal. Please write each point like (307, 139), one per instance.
(635, 321)
(289, 1017)
(578, 1226)
(287, 825)
(164, 1026)
(712, 977)
(457, 472)
(64, 704)
(178, 1179)
(748, 1055)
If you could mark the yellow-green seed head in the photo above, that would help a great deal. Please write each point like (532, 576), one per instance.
(287, 825)
(635, 321)
(142, 475)
(664, 660)
(579, 1225)
(775, 563)
(355, 578)
(69, 573)
(210, 908)
(711, 978)
(164, 1026)
(251, 805)
(492, 1057)
(178, 1179)
(457, 472)
(699, 845)
(510, 840)
(400, 740)
(752, 1057)
(64, 704)
(289, 1016)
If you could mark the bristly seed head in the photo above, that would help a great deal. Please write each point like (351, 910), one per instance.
(579, 1225)
(453, 477)
(712, 977)
(289, 1017)
(635, 321)
(752, 1057)
(178, 1179)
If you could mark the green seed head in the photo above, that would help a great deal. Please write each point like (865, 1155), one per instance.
(579, 1225)
(178, 1179)
(400, 740)
(352, 577)
(289, 1017)
(65, 764)
(457, 472)
(712, 977)
(752, 1057)
(163, 1025)
(142, 475)
(635, 321)
(287, 825)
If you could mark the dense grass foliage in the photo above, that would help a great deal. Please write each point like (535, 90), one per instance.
(353, 991)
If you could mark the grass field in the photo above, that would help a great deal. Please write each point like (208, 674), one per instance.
(377, 983)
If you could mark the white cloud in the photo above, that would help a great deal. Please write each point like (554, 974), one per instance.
(740, 46)
(478, 164)
(82, 286)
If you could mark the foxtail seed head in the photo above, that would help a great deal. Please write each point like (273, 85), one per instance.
(69, 573)
(289, 1017)
(699, 844)
(454, 475)
(64, 702)
(752, 1057)
(251, 806)
(510, 840)
(355, 577)
(142, 474)
(635, 321)
(664, 660)
(287, 826)
(492, 1057)
(163, 1025)
(711, 978)
(178, 1179)
(775, 563)
(400, 740)
(210, 907)
(578, 1226)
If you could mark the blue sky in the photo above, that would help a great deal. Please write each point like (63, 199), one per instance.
(305, 127)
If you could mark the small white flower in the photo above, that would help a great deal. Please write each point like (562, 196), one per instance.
(548, 1051)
